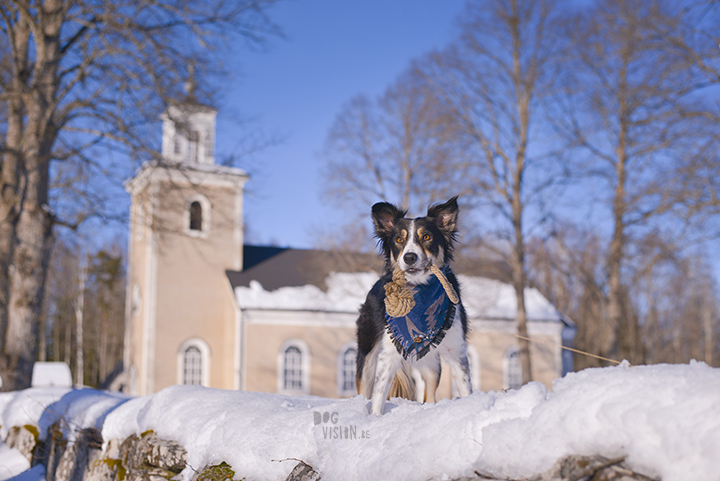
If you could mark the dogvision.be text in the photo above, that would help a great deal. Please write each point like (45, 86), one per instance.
(335, 431)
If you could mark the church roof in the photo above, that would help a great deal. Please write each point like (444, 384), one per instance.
(276, 267)
(317, 280)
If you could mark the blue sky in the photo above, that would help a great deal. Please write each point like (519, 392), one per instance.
(334, 50)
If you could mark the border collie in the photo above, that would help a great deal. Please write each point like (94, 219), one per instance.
(435, 328)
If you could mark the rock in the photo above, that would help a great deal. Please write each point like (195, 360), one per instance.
(108, 467)
(597, 468)
(149, 474)
(150, 458)
(79, 455)
(303, 472)
(50, 452)
(23, 439)
(217, 472)
(577, 468)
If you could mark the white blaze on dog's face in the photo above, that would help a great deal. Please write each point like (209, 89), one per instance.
(417, 252)
(414, 244)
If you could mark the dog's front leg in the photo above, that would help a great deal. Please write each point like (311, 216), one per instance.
(430, 370)
(460, 370)
(387, 365)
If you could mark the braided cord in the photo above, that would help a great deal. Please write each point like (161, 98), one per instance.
(398, 298)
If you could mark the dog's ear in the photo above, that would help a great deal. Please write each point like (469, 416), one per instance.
(384, 217)
(445, 216)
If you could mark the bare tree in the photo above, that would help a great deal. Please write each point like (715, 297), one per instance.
(77, 79)
(568, 269)
(101, 318)
(396, 149)
(671, 296)
(633, 111)
(494, 83)
(106, 313)
(675, 300)
(59, 302)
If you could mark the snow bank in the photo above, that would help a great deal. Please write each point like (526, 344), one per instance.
(78, 408)
(664, 418)
(12, 462)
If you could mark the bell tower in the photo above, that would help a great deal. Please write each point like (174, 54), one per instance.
(186, 219)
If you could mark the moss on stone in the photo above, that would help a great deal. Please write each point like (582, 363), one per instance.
(217, 472)
(115, 464)
(33, 430)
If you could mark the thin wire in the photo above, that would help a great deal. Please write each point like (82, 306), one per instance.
(569, 349)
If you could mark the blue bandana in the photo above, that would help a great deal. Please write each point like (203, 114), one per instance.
(425, 325)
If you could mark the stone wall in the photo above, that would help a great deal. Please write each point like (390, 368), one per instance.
(150, 458)
(137, 458)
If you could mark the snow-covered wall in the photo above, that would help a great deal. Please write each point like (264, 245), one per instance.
(662, 421)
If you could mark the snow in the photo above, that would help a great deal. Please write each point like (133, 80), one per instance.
(490, 299)
(663, 418)
(78, 408)
(482, 297)
(12, 462)
(46, 374)
(346, 291)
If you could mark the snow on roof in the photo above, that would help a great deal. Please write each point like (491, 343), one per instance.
(483, 298)
(663, 418)
(345, 293)
(491, 299)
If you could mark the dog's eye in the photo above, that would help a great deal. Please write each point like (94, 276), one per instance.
(400, 240)
(426, 237)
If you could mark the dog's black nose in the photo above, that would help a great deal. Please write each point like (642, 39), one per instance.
(410, 258)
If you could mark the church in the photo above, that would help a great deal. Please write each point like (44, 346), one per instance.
(204, 308)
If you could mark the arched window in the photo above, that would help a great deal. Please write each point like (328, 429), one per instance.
(512, 370)
(192, 366)
(292, 371)
(196, 216)
(294, 368)
(346, 368)
(194, 363)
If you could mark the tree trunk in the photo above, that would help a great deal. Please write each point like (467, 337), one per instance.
(518, 269)
(25, 193)
(79, 310)
(103, 354)
(31, 248)
(521, 321)
(10, 171)
(707, 318)
(27, 282)
(614, 262)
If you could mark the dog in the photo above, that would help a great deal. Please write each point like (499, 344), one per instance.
(388, 347)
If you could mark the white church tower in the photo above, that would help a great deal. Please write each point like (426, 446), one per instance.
(186, 230)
